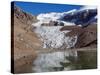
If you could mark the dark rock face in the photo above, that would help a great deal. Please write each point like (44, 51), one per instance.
(45, 24)
(84, 17)
(86, 36)
(53, 23)
(60, 24)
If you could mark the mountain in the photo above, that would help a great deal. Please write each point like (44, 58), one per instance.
(83, 17)
(78, 23)
(73, 29)
(23, 16)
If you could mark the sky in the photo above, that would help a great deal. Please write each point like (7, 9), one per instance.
(38, 8)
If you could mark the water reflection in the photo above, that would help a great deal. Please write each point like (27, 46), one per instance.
(66, 60)
(85, 60)
(61, 61)
(47, 62)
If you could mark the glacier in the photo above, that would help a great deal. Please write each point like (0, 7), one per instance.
(52, 37)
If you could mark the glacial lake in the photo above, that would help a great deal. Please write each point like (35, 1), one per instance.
(62, 61)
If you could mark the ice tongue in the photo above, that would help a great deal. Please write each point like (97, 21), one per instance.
(52, 37)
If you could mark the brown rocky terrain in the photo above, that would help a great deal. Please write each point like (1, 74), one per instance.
(87, 37)
(24, 40)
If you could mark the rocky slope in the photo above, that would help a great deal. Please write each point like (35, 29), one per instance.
(87, 37)
(25, 41)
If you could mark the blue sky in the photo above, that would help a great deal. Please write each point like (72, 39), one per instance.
(37, 8)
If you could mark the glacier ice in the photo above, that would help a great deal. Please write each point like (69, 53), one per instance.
(52, 37)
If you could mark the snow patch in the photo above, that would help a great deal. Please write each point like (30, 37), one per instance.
(53, 16)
